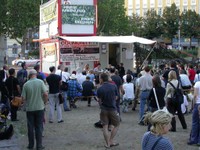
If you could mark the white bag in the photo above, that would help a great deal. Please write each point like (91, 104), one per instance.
(164, 108)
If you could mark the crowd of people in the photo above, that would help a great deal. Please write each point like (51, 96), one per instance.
(111, 87)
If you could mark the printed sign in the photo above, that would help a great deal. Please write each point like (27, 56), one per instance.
(49, 52)
(48, 12)
(78, 14)
(78, 57)
(78, 51)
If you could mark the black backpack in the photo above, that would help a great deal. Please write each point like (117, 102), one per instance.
(178, 94)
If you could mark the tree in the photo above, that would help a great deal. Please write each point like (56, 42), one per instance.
(3, 17)
(136, 24)
(112, 19)
(171, 20)
(18, 17)
(190, 24)
(152, 25)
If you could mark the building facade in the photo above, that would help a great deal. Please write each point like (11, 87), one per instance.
(140, 7)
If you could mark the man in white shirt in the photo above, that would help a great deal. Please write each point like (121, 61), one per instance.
(82, 78)
(185, 81)
(64, 77)
(145, 85)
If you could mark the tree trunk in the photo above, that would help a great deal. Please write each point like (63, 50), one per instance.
(190, 42)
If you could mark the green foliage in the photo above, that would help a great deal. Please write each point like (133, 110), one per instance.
(136, 24)
(190, 24)
(112, 19)
(3, 18)
(34, 53)
(152, 25)
(20, 15)
(171, 21)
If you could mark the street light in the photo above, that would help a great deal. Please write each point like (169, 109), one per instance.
(179, 35)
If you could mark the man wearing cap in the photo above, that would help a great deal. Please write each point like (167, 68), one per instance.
(34, 94)
(74, 89)
(54, 82)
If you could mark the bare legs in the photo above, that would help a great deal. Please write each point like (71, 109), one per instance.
(109, 136)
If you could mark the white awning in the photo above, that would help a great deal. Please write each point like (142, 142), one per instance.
(108, 39)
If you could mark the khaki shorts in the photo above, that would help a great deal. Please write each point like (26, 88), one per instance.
(110, 118)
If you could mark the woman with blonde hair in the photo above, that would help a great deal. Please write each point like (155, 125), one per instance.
(153, 139)
(174, 106)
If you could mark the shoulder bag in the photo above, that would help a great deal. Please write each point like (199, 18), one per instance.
(156, 98)
(17, 100)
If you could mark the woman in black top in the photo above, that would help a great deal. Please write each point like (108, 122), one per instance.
(160, 92)
(13, 87)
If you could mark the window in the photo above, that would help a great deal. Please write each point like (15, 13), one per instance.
(185, 2)
(130, 3)
(138, 12)
(144, 12)
(193, 8)
(144, 3)
(160, 11)
(177, 2)
(185, 8)
(152, 3)
(168, 3)
(137, 4)
(130, 12)
(14, 49)
(159, 3)
(193, 2)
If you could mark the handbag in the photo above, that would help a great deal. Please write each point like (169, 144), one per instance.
(61, 100)
(16, 101)
(156, 98)
(64, 85)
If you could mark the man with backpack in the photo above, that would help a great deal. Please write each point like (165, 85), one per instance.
(22, 75)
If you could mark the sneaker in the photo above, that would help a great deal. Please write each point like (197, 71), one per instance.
(60, 121)
(50, 121)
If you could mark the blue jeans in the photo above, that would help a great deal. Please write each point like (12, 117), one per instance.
(65, 106)
(35, 125)
(143, 98)
(195, 131)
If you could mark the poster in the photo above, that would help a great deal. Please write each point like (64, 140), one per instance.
(78, 14)
(49, 52)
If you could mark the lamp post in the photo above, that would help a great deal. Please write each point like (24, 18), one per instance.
(179, 39)
(179, 35)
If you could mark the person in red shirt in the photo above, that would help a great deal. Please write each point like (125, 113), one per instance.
(191, 73)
